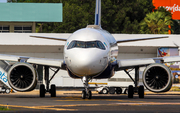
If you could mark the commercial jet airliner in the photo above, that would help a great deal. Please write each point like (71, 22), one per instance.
(90, 53)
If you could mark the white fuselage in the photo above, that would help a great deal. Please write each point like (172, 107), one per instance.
(90, 61)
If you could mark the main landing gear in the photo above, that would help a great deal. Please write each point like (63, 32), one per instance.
(52, 90)
(86, 93)
(131, 89)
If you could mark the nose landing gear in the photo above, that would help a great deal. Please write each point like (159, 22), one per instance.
(86, 93)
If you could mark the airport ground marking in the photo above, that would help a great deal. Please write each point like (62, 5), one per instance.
(110, 104)
(102, 100)
(148, 103)
(79, 99)
(40, 107)
(54, 107)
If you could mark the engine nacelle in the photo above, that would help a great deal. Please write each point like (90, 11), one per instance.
(157, 78)
(22, 77)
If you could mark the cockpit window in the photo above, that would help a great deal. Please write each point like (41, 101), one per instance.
(80, 44)
(88, 44)
(91, 44)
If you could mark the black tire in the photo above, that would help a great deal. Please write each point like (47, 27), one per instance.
(53, 90)
(83, 94)
(111, 90)
(141, 91)
(130, 91)
(99, 92)
(42, 90)
(118, 90)
(89, 96)
(7, 91)
(104, 91)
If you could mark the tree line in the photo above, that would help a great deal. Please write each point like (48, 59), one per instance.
(117, 16)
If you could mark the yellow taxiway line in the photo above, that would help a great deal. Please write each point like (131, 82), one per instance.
(40, 107)
(54, 107)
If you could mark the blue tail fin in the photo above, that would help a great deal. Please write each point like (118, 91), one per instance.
(98, 13)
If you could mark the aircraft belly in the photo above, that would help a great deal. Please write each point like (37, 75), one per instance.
(89, 70)
(107, 72)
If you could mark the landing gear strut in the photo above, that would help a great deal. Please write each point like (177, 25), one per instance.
(86, 93)
(131, 89)
(52, 91)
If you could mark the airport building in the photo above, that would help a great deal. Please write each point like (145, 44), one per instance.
(22, 17)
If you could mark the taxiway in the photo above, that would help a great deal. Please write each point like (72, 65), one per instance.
(70, 101)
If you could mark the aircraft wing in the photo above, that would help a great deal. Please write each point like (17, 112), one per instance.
(139, 39)
(33, 60)
(52, 38)
(130, 63)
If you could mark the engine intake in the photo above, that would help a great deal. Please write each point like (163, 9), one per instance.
(22, 77)
(157, 78)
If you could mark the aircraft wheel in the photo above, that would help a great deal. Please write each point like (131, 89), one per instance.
(141, 91)
(99, 92)
(7, 91)
(111, 90)
(89, 96)
(130, 91)
(105, 91)
(53, 90)
(42, 90)
(118, 90)
(83, 94)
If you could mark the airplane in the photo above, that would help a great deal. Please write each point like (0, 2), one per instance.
(90, 53)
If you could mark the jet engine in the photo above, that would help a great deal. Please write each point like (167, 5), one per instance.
(157, 78)
(22, 77)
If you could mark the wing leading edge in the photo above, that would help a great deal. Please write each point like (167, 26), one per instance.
(118, 41)
(130, 63)
(139, 39)
(41, 61)
(51, 38)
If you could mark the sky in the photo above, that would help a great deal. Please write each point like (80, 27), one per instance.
(3, 1)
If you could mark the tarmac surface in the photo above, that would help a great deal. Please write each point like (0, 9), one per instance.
(70, 101)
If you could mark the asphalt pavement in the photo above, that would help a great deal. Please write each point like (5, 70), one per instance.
(70, 101)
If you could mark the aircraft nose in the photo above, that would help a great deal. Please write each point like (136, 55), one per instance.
(88, 64)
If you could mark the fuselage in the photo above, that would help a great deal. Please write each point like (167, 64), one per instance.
(89, 51)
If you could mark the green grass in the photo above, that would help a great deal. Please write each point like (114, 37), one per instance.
(175, 88)
(4, 109)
